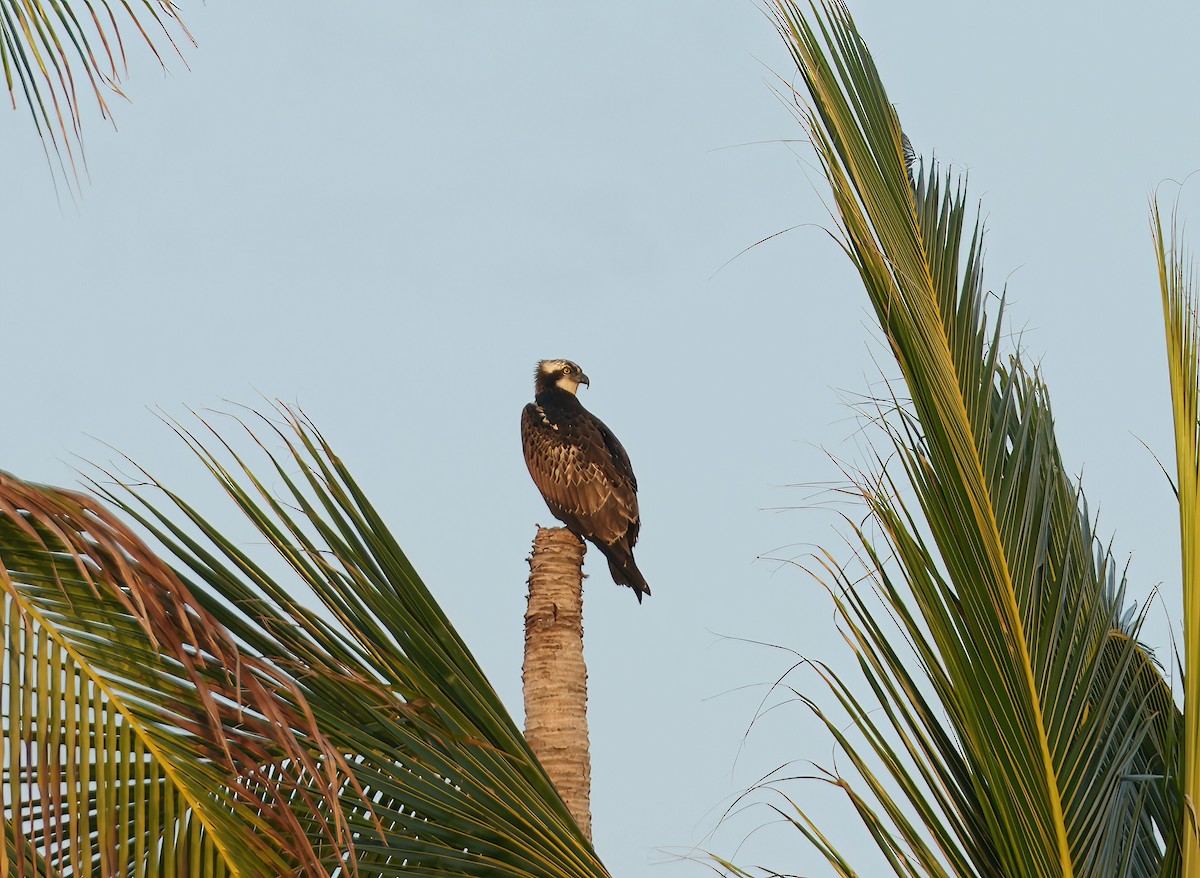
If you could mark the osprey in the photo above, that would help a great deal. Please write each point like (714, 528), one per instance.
(581, 469)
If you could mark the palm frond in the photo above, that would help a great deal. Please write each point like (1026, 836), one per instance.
(47, 47)
(1032, 735)
(446, 784)
(1181, 317)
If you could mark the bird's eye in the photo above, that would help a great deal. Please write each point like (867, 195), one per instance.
(566, 370)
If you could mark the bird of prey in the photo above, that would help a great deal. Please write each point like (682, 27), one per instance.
(581, 469)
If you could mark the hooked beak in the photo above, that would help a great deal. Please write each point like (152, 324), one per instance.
(583, 379)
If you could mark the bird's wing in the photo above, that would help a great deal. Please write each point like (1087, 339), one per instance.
(624, 481)
(620, 458)
(586, 485)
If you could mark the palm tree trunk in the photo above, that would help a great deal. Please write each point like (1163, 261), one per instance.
(554, 674)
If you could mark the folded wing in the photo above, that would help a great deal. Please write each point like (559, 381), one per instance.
(584, 475)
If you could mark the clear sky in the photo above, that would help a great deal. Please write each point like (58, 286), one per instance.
(388, 212)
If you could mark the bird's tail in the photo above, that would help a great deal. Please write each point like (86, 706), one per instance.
(624, 570)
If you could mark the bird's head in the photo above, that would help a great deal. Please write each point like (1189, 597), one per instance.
(558, 373)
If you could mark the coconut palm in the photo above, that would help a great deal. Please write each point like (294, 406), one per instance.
(196, 717)
(1011, 722)
(55, 53)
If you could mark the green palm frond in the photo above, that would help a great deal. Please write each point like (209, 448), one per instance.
(1181, 316)
(48, 48)
(1024, 730)
(454, 788)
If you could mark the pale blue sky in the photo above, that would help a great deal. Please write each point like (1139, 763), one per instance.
(387, 213)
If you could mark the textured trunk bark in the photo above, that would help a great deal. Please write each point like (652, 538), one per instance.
(554, 675)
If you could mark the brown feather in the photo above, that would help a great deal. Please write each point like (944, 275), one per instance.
(583, 484)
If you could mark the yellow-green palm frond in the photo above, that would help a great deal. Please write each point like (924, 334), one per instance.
(1024, 730)
(57, 55)
(1181, 315)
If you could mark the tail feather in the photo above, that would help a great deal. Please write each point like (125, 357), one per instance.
(624, 570)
